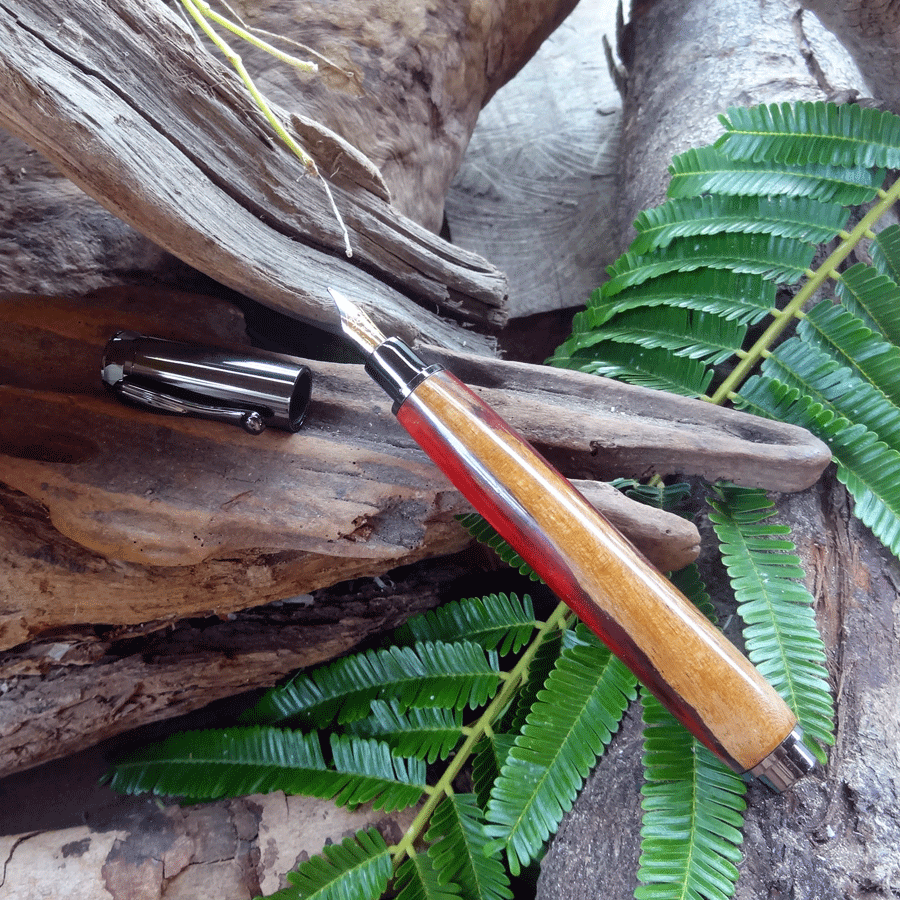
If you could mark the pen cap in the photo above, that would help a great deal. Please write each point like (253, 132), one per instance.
(210, 382)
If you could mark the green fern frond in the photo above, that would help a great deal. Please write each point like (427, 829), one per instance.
(793, 217)
(427, 674)
(373, 775)
(847, 339)
(781, 259)
(813, 133)
(479, 528)
(780, 627)
(693, 812)
(358, 867)
(567, 729)
(426, 734)
(744, 298)
(659, 496)
(541, 665)
(708, 170)
(715, 338)
(885, 251)
(825, 381)
(207, 765)
(458, 853)
(496, 622)
(418, 879)
(873, 297)
(657, 369)
(488, 758)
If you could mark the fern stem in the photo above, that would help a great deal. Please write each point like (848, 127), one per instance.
(782, 319)
(479, 729)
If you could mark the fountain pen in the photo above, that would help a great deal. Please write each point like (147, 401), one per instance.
(673, 649)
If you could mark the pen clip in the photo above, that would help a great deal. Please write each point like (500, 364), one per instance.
(249, 419)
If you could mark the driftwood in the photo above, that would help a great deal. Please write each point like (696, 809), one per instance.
(82, 685)
(834, 836)
(137, 521)
(207, 518)
(132, 110)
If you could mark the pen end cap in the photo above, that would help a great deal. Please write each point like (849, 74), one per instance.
(790, 761)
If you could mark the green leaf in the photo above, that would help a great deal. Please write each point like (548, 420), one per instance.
(429, 674)
(359, 867)
(885, 252)
(794, 217)
(746, 298)
(847, 339)
(374, 775)
(707, 170)
(825, 381)
(696, 335)
(874, 298)
(566, 730)
(780, 628)
(418, 879)
(426, 734)
(866, 465)
(495, 622)
(206, 765)
(813, 133)
(490, 754)
(653, 368)
(693, 814)
(780, 258)
(458, 854)
(482, 531)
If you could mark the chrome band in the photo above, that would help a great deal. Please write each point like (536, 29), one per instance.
(787, 763)
(398, 370)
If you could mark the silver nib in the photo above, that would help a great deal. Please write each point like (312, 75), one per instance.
(356, 324)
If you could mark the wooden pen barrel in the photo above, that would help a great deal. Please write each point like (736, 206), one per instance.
(674, 650)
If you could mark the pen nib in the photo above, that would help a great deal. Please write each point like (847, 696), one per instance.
(356, 324)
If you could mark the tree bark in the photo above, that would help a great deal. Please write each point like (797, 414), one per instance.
(870, 30)
(834, 835)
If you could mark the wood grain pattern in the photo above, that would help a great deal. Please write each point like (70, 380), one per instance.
(674, 650)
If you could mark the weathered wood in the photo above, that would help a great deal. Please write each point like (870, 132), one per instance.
(130, 108)
(97, 529)
(231, 850)
(82, 685)
(404, 81)
(101, 497)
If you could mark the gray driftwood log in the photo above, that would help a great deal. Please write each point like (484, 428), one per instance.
(834, 836)
(124, 101)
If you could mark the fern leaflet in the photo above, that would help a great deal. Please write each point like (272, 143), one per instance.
(428, 674)
(573, 719)
(418, 879)
(426, 734)
(457, 851)
(780, 628)
(206, 765)
(358, 867)
(495, 622)
(693, 812)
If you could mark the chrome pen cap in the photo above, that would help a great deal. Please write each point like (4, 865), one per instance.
(253, 388)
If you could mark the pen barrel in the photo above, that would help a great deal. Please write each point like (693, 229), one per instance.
(701, 677)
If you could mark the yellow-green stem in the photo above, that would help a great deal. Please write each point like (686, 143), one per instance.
(782, 319)
(444, 786)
